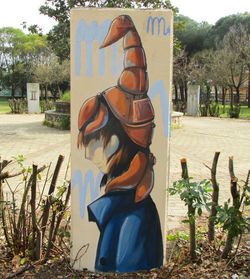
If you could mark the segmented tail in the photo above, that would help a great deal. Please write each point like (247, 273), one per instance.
(134, 78)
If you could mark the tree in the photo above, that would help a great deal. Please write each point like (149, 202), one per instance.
(222, 27)
(11, 42)
(60, 11)
(52, 74)
(192, 35)
(18, 52)
(237, 45)
(181, 72)
(226, 66)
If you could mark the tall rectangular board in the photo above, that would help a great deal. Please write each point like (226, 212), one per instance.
(120, 103)
(33, 95)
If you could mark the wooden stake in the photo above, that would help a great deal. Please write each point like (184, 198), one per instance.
(215, 198)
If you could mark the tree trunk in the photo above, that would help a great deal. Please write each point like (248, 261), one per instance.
(46, 92)
(248, 95)
(216, 94)
(231, 97)
(223, 95)
(23, 91)
(45, 215)
(237, 95)
(191, 216)
(228, 246)
(176, 93)
(12, 91)
(215, 197)
(182, 93)
(35, 255)
(191, 213)
(236, 204)
(185, 91)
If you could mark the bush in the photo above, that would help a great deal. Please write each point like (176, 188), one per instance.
(214, 109)
(234, 111)
(203, 110)
(33, 226)
(18, 105)
(47, 105)
(65, 123)
(65, 97)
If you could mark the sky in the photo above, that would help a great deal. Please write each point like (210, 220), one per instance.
(210, 10)
(14, 12)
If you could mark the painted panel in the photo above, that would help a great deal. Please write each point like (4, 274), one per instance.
(121, 61)
(193, 102)
(33, 95)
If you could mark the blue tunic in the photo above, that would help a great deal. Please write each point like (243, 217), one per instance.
(130, 233)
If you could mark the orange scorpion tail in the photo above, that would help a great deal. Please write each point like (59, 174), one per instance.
(130, 104)
(134, 78)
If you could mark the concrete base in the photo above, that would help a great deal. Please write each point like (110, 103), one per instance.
(57, 120)
(176, 117)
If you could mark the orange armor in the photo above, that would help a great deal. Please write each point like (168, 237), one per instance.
(127, 100)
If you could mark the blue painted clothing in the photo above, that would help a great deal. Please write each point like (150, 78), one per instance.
(130, 233)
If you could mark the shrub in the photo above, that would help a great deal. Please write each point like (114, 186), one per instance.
(65, 97)
(214, 109)
(195, 195)
(33, 226)
(65, 123)
(203, 110)
(234, 111)
(47, 105)
(18, 105)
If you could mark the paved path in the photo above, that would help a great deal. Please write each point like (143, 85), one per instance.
(197, 141)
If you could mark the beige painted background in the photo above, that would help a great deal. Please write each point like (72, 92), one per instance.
(158, 49)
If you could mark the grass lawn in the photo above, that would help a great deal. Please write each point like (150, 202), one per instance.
(244, 112)
(4, 106)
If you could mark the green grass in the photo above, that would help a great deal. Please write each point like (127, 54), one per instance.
(65, 97)
(244, 112)
(4, 106)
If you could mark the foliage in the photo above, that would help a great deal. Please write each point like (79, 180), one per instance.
(236, 44)
(193, 34)
(233, 219)
(234, 111)
(218, 55)
(60, 11)
(223, 25)
(65, 123)
(203, 110)
(18, 105)
(65, 97)
(195, 196)
(18, 52)
(193, 193)
(31, 225)
(214, 109)
(52, 74)
(244, 111)
(178, 236)
(47, 105)
(230, 217)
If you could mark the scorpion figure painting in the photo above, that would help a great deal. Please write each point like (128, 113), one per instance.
(115, 133)
(116, 130)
